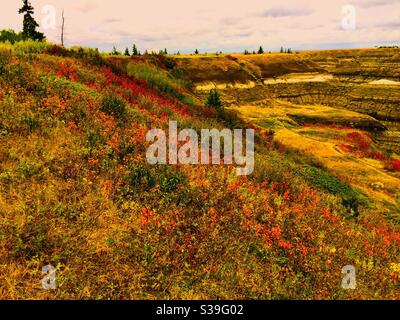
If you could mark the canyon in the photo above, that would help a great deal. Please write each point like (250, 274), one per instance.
(314, 101)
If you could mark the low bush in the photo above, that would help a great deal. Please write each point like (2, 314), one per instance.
(352, 199)
(113, 105)
(11, 36)
(157, 78)
(169, 181)
(140, 177)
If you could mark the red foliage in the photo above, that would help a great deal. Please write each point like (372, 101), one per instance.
(359, 140)
(55, 50)
(66, 71)
(132, 89)
(377, 156)
(393, 165)
(396, 165)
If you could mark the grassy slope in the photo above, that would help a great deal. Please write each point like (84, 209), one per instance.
(76, 192)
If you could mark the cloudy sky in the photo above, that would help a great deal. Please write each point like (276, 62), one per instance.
(210, 25)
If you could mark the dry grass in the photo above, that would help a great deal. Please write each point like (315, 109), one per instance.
(77, 192)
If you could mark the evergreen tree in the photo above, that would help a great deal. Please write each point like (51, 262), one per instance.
(127, 52)
(214, 100)
(196, 51)
(30, 24)
(115, 52)
(135, 50)
(281, 49)
(261, 50)
(165, 51)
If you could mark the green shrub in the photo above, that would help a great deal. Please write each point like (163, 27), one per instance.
(169, 181)
(140, 177)
(11, 36)
(5, 58)
(214, 100)
(94, 139)
(30, 122)
(113, 105)
(31, 46)
(351, 198)
(27, 170)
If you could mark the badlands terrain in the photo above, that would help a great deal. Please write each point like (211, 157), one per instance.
(341, 107)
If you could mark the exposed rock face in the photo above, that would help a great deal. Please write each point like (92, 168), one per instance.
(364, 81)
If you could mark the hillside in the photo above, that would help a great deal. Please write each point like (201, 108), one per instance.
(77, 192)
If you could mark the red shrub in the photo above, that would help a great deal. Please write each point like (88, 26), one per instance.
(66, 71)
(396, 165)
(361, 141)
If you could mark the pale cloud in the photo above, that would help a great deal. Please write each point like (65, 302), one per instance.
(279, 12)
(209, 25)
(85, 6)
(373, 3)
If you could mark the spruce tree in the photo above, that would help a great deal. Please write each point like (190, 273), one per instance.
(127, 52)
(214, 100)
(196, 51)
(261, 50)
(135, 51)
(30, 24)
(115, 52)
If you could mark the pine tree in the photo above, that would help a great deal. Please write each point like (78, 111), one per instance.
(261, 50)
(127, 52)
(135, 50)
(281, 49)
(214, 100)
(196, 51)
(30, 24)
(115, 52)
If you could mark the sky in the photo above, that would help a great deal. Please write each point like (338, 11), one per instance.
(214, 25)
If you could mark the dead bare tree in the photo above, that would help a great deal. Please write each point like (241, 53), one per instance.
(62, 29)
